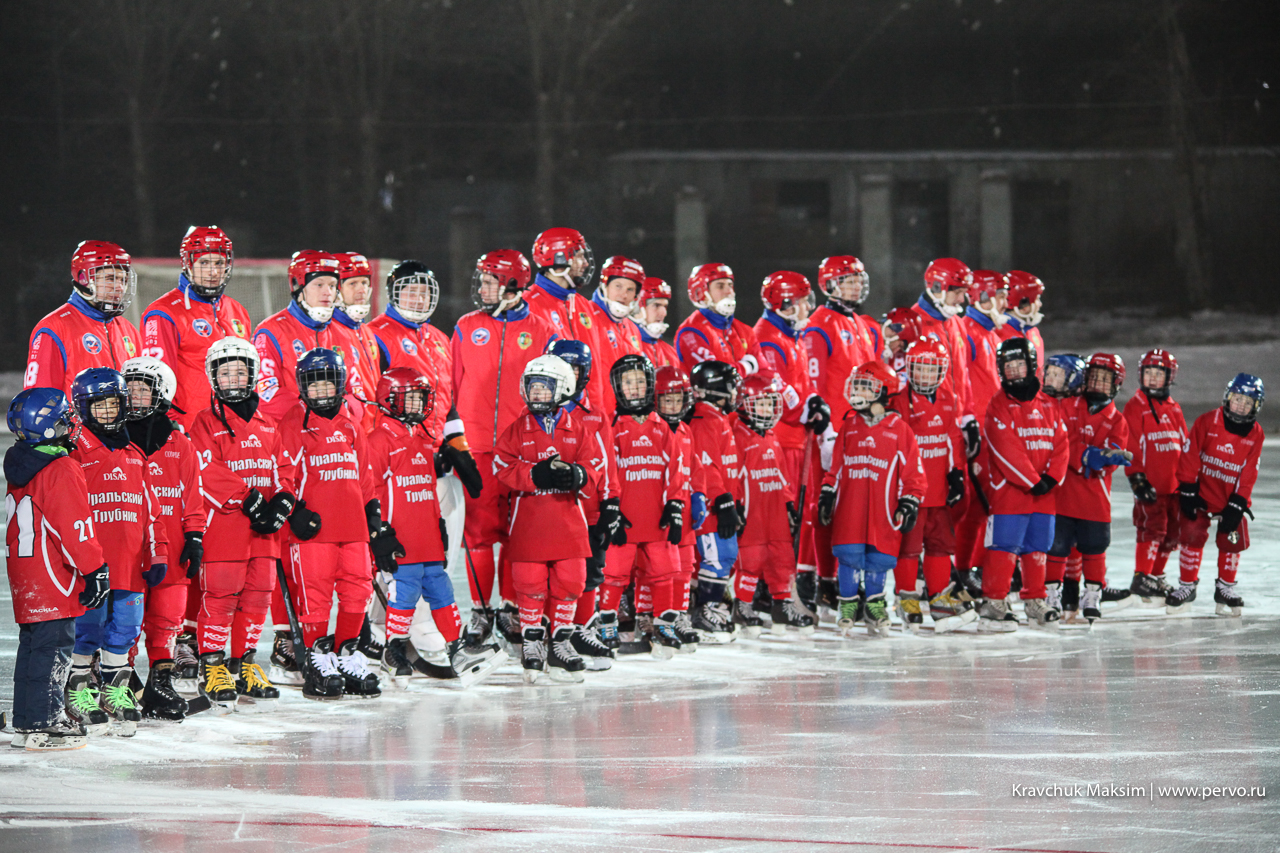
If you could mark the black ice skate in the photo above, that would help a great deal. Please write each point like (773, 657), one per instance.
(1070, 599)
(688, 636)
(478, 628)
(1224, 595)
(665, 640)
(712, 625)
(83, 706)
(563, 663)
(474, 664)
(251, 681)
(217, 684)
(368, 644)
(745, 617)
(359, 679)
(395, 662)
(321, 678)
(507, 624)
(594, 653)
(284, 661)
(787, 615)
(1121, 598)
(186, 666)
(807, 592)
(533, 657)
(1150, 589)
(828, 594)
(160, 701)
(1179, 601)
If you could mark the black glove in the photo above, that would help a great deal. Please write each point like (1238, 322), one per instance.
(386, 548)
(444, 536)
(254, 506)
(742, 515)
(543, 478)
(972, 439)
(460, 461)
(907, 512)
(673, 520)
(1189, 499)
(192, 552)
(1042, 488)
(620, 535)
(304, 523)
(278, 510)
(598, 537)
(955, 486)
(793, 518)
(595, 571)
(826, 505)
(819, 415)
(373, 515)
(726, 516)
(96, 586)
(610, 521)
(1142, 488)
(154, 575)
(567, 477)
(1233, 513)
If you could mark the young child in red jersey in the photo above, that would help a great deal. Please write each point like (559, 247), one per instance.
(46, 493)
(871, 495)
(1216, 476)
(1157, 439)
(653, 497)
(549, 461)
(674, 396)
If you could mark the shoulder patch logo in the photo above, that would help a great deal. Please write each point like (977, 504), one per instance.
(239, 329)
(846, 336)
(525, 340)
(584, 319)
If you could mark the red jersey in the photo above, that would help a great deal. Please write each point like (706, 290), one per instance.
(359, 350)
(281, 340)
(601, 430)
(402, 460)
(327, 461)
(661, 353)
(1015, 328)
(708, 336)
(546, 524)
(782, 352)
(1221, 461)
(766, 487)
(173, 473)
(614, 339)
(948, 332)
(716, 463)
(873, 466)
(423, 347)
(936, 426)
(684, 440)
(1026, 440)
(122, 511)
(235, 457)
(981, 341)
(73, 338)
(50, 535)
(836, 343)
(574, 317)
(649, 471)
(1157, 439)
(178, 328)
(1087, 494)
(489, 355)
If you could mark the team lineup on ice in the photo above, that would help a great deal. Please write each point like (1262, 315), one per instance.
(170, 492)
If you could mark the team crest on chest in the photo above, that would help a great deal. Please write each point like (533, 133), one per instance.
(92, 343)
(238, 328)
(584, 319)
(846, 336)
(480, 337)
(613, 339)
(202, 327)
(408, 346)
(298, 348)
(129, 347)
(525, 340)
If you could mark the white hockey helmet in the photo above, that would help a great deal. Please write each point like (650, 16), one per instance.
(546, 384)
(158, 377)
(231, 349)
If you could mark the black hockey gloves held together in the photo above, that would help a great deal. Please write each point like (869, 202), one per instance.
(673, 521)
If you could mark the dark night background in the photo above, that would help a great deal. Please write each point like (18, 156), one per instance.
(366, 124)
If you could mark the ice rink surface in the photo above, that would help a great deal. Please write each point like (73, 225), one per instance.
(909, 743)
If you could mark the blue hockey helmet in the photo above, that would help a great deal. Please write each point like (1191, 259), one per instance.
(318, 366)
(94, 385)
(1243, 388)
(39, 415)
(578, 355)
(1068, 379)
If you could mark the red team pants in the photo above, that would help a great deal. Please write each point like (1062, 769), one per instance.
(659, 569)
(934, 535)
(233, 603)
(561, 581)
(316, 570)
(1192, 536)
(486, 526)
(1159, 525)
(774, 561)
(166, 606)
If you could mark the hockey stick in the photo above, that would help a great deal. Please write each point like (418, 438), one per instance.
(416, 660)
(295, 627)
(806, 466)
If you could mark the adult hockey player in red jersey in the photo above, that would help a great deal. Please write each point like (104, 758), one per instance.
(173, 475)
(491, 347)
(133, 543)
(711, 333)
(654, 303)
(1024, 297)
(304, 324)
(674, 396)
(53, 577)
(871, 496)
(1158, 435)
(654, 492)
(1216, 476)
(765, 548)
(548, 461)
(90, 330)
(946, 286)
(1029, 454)
(180, 326)
(564, 267)
(934, 416)
(246, 503)
(616, 334)
(1099, 437)
(837, 338)
(360, 348)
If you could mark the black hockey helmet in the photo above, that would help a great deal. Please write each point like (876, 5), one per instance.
(716, 382)
(1023, 384)
(631, 397)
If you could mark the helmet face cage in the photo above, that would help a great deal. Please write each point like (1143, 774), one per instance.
(860, 282)
(926, 368)
(234, 392)
(1014, 351)
(673, 396)
(862, 389)
(1064, 376)
(415, 296)
(763, 409)
(406, 395)
(322, 380)
(140, 407)
(1102, 378)
(41, 415)
(198, 243)
(110, 288)
(96, 392)
(539, 392)
(633, 380)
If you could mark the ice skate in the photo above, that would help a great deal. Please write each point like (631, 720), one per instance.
(665, 640)
(474, 664)
(1151, 590)
(1070, 600)
(1053, 597)
(360, 681)
(1091, 602)
(876, 615)
(968, 588)
(1121, 598)
(284, 661)
(479, 627)
(217, 685)
(533, 647)
(395, 662)
(745, 617)
(711, 625)
(118, 700)
(159, 700)
(594, 653)
(608, 629)
(252, 682)
(59, 736)
(563, 663)
(828, 595)
(1041, 615)
(322, 680)
(849, 608)
(807, 593)
(684, 630)
(186, 666)
(762, 605)
(1179, 601)
(787, 614)
(948, 612)
(507, 624)
(992, 618)
(909, 611)
(1224, 595)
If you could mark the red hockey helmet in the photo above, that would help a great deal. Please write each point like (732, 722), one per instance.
(353, 265)
(901, 324)
(1023, 287)
(832, 272)
(557, 247)
(1160, 359)
(309, 264)
(946, 274)
(509, 267)
(985, 285)
(654, 288)
(201, 240)
(670, 381)
(927, 364)
(618, 266)
(700, 281)
(873, 382)
(87, 263)
(783, 289)
(1103, 375)
(760, 400)
(393, 392)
